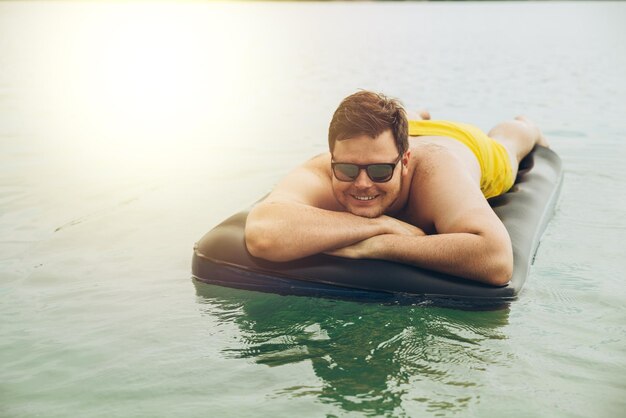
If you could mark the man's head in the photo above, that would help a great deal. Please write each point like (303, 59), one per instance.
(368, 137)
(369, 113)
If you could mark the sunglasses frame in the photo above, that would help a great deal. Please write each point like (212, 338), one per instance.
(366, 167)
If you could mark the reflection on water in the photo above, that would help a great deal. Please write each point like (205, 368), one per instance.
(369, 358)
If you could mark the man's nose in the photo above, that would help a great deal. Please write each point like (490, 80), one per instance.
(362, 179)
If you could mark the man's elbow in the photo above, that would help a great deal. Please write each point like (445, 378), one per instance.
(260, 244)
(257, 242)
(500, 270)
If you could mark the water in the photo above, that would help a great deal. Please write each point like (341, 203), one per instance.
(127, 130)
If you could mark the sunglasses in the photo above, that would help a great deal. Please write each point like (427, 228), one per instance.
(378, 173)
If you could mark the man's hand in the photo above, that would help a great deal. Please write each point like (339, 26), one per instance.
(369, 248)
(398, 227)
(363, 249)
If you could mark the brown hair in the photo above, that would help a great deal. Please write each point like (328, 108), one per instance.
(371, 114)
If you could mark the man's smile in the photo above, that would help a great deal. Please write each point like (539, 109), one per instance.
(364, 198)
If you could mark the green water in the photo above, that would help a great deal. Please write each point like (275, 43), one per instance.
(127, 130)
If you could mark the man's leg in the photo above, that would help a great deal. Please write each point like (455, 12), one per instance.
(518, 136)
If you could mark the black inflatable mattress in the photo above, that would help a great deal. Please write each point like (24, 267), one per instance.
(221, 258)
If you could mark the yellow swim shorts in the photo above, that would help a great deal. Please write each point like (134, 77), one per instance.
(495, 166)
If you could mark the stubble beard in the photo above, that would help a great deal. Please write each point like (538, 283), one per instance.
(380, 210)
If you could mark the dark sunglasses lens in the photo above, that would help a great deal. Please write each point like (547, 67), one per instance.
(346, 172)
(380, 172)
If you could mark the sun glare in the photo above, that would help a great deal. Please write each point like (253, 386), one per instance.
(146, 83)
(134, 87)
(153, 75)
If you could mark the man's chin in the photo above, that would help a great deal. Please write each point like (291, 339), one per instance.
(366, 212)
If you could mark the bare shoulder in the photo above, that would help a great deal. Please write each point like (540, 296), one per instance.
(318, 165)
(426, 156)
(308, 184)
(446, 193)
(434, 165)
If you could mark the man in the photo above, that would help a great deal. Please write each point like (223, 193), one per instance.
(380, 194)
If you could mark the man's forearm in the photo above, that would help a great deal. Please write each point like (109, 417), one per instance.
(286, 231)
(465, 255)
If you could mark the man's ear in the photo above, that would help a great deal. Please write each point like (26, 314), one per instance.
(405, 162)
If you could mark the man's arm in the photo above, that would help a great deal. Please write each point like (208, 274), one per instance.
(471, 241)
(475, 255)
(298, 219)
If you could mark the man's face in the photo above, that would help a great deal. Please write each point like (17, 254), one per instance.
(364, 197)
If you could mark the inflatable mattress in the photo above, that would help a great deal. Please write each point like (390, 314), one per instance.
(221, 257)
